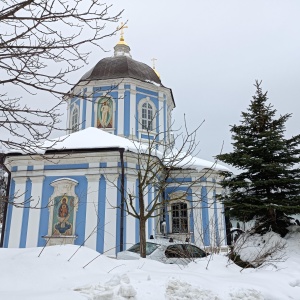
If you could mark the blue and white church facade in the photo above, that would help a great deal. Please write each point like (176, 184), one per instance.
(73, 192)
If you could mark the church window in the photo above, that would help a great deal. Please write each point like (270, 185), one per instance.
(75, 119)
(147, 116)
(179, 217)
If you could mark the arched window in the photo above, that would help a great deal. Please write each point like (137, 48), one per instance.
(147, 116)
(179, 217)
(75, 119)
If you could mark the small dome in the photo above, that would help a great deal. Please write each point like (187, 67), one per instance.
(121, 67)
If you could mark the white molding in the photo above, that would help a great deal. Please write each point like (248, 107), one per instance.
(79, 117)
(63, 186)
(92, 210)
(154, 112)
(121, 106)
(17, 213)
(175, 198)
(34, 213)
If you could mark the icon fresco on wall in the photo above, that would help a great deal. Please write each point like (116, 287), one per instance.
(63, 215)
(105, 113)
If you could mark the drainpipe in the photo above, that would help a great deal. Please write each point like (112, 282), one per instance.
(121, 150)
(2, 157)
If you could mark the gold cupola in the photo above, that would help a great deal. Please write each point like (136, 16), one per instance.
(122, 49)
(153, 67)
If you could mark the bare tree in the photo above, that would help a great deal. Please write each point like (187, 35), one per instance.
(161, 166)
(252, 250)
(42, 43)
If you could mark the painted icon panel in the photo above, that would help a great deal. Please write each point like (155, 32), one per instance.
(63, 215)
(105, 113)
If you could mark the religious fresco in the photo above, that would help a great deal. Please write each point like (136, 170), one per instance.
(63, 215)
(105, 113)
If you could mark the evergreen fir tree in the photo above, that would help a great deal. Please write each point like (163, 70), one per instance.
(268, 186)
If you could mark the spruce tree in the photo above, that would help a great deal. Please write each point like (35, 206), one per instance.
(268, 187)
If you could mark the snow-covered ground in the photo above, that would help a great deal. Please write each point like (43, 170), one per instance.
(24, 275)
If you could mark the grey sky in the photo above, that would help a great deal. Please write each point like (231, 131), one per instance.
(211, 52)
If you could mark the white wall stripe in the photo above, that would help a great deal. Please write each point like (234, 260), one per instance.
(17, 213)
(121, 113)
(161, 118)
(88, 116)
(92, 211)
(34, 213)
(133, 116)
(110, 214)
(130, 221)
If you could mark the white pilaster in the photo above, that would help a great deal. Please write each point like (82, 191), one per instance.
(211, 212)
(121, 113)
(197, 214)
(89, 112)
(133, 115)
(34, 213)
(81, 117)
(92, 218)
(130, 220)
(110, 214)
(161, 117)
(221, 218)
(17, 212)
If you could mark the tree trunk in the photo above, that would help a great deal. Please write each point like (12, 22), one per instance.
(143, 237)
(142, 223)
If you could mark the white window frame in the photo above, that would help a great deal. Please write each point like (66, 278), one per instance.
(175, 199)
(142, 102)
(74, 126)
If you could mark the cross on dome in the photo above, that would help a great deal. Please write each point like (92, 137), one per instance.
(153, 66)
(153, 62)
(121, 28)
(122, 49)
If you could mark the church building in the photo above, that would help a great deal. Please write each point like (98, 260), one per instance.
(71, 191)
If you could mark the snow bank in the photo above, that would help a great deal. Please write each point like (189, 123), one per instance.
(259, 250)
(181, 290)
(24, 275)
(118, 287)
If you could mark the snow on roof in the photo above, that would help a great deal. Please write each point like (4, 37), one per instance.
(92, 138)
(95, 138)
(187, 161)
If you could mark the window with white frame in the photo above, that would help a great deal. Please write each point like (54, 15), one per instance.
(179, 217)
(147, 116)
(75, 119)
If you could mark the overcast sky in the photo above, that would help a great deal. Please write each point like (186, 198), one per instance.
(210, 53)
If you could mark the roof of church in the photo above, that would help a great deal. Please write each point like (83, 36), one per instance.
(91, 138)
(122, 67)
(94, 138)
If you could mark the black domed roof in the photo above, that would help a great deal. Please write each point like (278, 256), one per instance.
(121, 67)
